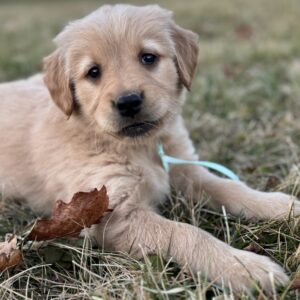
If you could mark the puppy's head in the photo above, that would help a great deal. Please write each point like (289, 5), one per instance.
(124, 68)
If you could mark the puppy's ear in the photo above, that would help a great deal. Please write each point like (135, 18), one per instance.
(186, 47)
(58, 82)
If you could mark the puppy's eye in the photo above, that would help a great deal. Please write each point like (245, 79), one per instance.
(94, 72)
(148, 59)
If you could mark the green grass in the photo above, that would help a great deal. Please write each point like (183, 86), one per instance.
(243, 112)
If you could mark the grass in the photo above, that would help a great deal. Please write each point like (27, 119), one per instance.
(243, 112)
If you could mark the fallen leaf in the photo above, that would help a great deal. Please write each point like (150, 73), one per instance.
(253, 247)
(272, 182)
(10, 256)
(296, 283)
(84, 210)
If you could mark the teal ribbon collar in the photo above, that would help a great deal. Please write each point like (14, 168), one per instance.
(166, 160)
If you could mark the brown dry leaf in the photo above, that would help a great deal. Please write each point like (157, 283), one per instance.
(253, 247)
(296, 283)
(84, 210)
(10, 256)
(272, 183)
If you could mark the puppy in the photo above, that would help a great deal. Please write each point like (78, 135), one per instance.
(113, 89)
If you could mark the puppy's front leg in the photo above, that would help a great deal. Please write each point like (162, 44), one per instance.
(236, 197)
(142, 231)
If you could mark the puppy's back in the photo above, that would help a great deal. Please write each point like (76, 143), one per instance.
(21, 103)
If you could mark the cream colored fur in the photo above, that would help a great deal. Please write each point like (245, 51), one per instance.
(49, 149)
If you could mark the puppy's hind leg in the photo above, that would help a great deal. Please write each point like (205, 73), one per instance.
(235, 196)
(238, 198)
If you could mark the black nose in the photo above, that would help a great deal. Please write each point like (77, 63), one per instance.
(129, 104)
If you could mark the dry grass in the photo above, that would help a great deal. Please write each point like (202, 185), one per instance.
(243, 112)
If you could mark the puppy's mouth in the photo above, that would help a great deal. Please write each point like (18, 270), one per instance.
(139, 129)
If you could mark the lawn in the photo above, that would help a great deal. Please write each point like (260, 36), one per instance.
(243, 112)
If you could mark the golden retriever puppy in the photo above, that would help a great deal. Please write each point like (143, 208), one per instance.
(113, 89)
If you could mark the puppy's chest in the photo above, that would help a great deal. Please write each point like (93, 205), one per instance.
(139, 178)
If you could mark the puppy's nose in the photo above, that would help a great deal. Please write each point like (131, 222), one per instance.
(129, 104)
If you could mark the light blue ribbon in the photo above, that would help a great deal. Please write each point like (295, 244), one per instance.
(166, 160)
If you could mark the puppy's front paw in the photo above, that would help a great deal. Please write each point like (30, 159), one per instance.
(250, 269)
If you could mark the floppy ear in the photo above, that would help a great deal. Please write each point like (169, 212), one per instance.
(186, 48)
(58, 82)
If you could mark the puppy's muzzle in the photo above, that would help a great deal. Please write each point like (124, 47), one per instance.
(135, 123)
(129, 104)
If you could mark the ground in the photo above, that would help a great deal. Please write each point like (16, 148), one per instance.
(242, 112)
